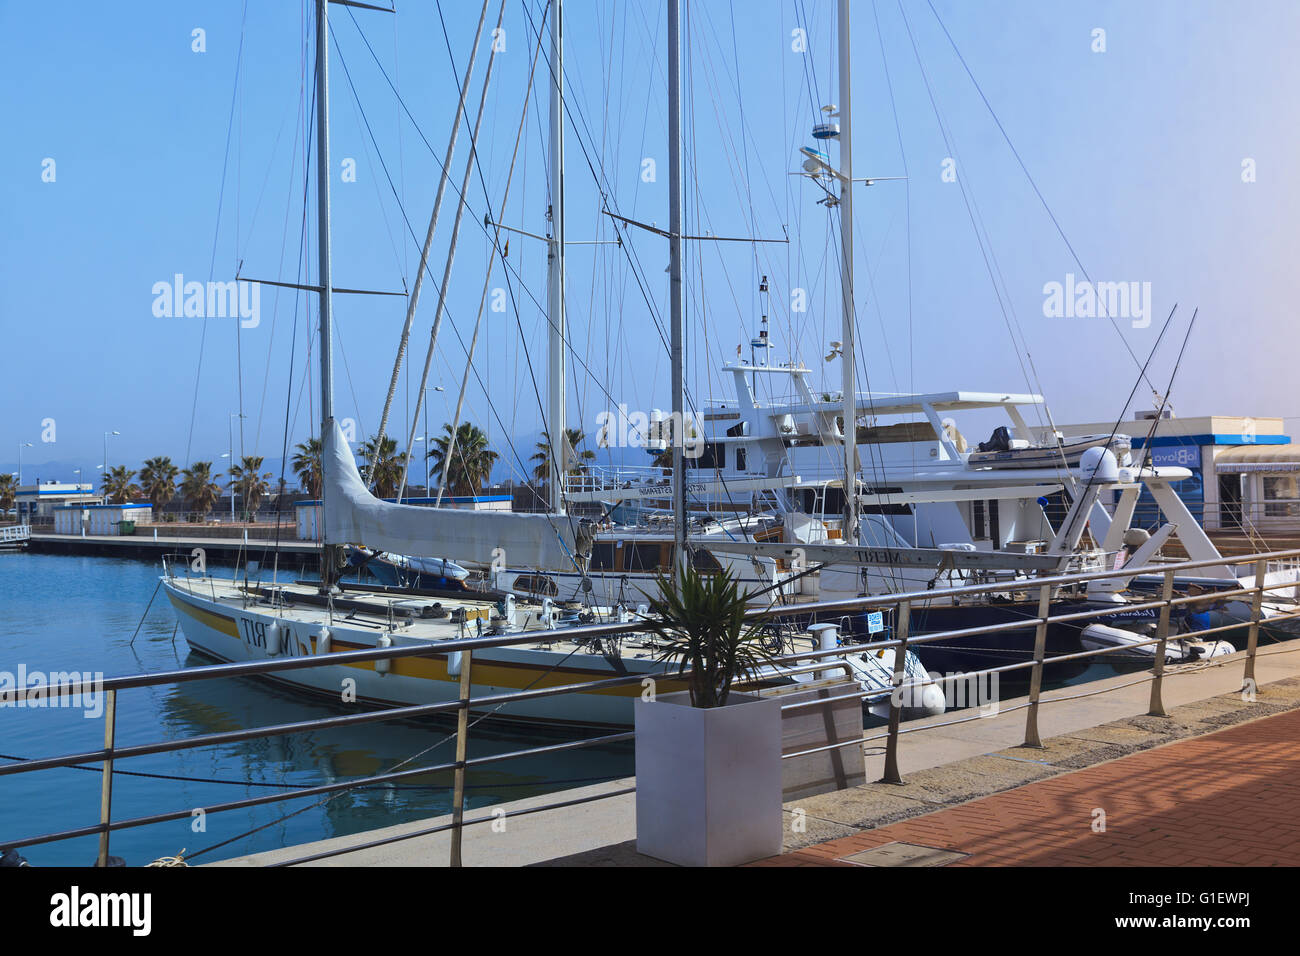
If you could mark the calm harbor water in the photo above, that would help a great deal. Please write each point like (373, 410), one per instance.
(79, 613)
(62, 613)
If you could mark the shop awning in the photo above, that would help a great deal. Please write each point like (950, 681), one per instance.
(1267, 458)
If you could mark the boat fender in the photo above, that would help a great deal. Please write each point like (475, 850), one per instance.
(274, 630)
(383, 666)
(453, 664)
(322, 636)
(548, 615)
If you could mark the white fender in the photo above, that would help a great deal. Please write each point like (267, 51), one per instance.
(274, 630)
(322, 636)
(383, 666)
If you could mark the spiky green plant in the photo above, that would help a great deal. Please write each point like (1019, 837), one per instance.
(699, 620)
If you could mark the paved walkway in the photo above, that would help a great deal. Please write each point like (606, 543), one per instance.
(1229, 798)
(943, 767)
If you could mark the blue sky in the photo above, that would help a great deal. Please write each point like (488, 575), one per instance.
(1138, 151)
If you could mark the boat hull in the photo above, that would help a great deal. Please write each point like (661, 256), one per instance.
(239, 634)
(982, 651)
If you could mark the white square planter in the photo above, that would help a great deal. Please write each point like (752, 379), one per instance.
(708, 781)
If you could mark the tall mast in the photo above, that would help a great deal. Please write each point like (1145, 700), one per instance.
(676, 294)
(555, 276)
(323, 216)
(847, 359)
(323, 250)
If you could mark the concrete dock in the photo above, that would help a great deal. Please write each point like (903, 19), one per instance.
(147, 547)
(971, 793)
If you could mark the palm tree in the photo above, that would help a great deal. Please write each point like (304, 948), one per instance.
(250, 482)
(198, 488)
(573, 437)
(307, 466)
(117, 486)
(7, 488)
(388, 466)
(158, 478)
(468, 459)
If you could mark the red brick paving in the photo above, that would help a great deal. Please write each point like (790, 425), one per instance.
(1229, 798)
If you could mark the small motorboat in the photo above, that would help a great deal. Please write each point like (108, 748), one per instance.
(1096, 637)
(1003, 451)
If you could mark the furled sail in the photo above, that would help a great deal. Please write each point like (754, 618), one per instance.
(354, 516)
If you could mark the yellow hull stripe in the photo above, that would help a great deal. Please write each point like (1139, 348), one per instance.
(217, 622)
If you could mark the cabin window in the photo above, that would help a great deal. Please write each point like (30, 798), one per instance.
(602, 556)
(536, 584)
(894, 509)
(641, 557)
(834, 503)
(705, 561)
(984, 516)
(740, 458)
(714, 455)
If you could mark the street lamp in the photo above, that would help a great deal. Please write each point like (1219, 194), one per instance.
(106, 435)
(230, 429)
(21, 446)
(422, 441)
(436, 388)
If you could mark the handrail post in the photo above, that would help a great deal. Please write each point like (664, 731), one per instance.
(1157, 708)
(1256, 614)
(106, 778)
(462, 753)
(1032, 738)
(895, 698)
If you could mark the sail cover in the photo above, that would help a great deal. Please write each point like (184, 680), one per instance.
(354, 516)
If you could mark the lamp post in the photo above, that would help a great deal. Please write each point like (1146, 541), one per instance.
(230, 429)
(106, 437)
(436, 388)
(226, 455)
(422, 442)
(21, 446)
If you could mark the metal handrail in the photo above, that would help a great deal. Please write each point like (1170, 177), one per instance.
(902, 603)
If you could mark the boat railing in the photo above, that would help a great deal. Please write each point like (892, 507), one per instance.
(481, 705)
(614, 477)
